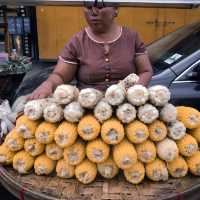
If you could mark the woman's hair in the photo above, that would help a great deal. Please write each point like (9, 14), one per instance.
(99, 3)
(96, 2)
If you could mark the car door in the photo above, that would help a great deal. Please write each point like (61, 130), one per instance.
(185, 89)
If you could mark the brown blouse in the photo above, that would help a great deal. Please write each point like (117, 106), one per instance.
(100, 64)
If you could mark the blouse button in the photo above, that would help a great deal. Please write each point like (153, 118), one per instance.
(107, 59)
(107, 68)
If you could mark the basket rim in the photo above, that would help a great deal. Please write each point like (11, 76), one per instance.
(5, 176)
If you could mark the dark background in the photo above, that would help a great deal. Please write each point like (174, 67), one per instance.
(4, 194)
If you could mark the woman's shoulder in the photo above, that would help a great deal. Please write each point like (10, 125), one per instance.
(129, 31)
(79, 36)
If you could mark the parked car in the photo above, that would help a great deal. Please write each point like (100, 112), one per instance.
(176, 63)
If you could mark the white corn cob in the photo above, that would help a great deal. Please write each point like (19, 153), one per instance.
(147, 113)
(167, 150)
(168, 113)
(73, 112)
(89, 97)
(176, 130)
(103, 110)
(159, 95)
(126, 113)
(129, 81)
(65, 94)
(34, 109)
(137, 95)
(115, 95)
(53, 113)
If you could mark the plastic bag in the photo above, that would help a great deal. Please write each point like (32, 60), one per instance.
(18, 105)
(7, 118)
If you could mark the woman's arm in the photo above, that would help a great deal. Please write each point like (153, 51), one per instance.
(63, 73)
(144, 69)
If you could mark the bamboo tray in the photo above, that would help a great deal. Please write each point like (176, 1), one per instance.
(32, 187)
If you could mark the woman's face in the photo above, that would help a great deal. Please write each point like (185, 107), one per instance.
(99, 18)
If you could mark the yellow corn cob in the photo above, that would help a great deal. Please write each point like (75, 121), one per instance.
(146, 151)
(89, 127)
(112, 131)
(33, 147)
(189, 116)
(65, 134)
(14, 141)
(107, 169)
(44, 165)
(194, 163)
(135, 174)
(6, 155)
(86, 171)
(187, 145)
(178, 167)
(157, 131)
(137, 132)
(124, 154)
(64, 169)
(53, 151)
(45, 132)
(196, 134)
(26, 127)
(23, 162)
(75, 153)
(97, 151)
(157, 170)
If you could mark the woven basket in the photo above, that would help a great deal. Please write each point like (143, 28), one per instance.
(32, 187)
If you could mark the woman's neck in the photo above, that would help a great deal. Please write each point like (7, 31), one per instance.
(109, 34)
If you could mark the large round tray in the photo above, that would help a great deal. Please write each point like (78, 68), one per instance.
(32, 187)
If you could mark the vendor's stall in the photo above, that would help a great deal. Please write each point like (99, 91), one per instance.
(60, 145)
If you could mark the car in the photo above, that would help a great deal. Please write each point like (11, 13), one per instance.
(176, 62)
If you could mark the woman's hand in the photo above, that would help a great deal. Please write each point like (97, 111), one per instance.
(43, 91)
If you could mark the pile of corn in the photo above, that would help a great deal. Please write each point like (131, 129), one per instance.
(82, 133)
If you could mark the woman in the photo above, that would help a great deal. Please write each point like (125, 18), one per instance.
(100, 55)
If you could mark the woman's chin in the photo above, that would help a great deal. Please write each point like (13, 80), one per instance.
(98, 28)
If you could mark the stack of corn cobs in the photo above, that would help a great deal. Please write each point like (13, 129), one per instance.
(82, 133)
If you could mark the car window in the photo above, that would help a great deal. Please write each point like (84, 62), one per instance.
(174, 47)
(191, 74)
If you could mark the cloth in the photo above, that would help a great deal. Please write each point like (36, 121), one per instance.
(101, 65)
(34, 78)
